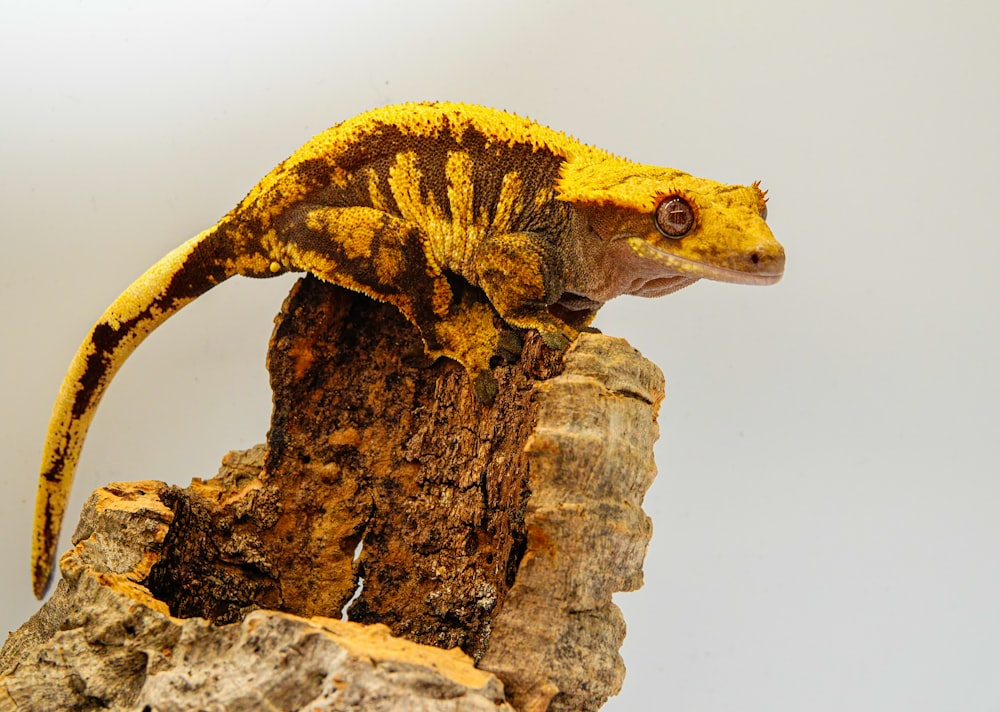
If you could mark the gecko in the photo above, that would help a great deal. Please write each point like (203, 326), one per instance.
(408, 203)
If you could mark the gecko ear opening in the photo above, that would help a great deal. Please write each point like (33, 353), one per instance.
(674, 217)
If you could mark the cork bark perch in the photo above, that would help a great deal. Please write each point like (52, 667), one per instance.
(475, 549)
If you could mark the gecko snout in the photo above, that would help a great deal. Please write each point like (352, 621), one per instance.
(767, 260)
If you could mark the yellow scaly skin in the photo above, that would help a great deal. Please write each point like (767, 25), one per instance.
(392, 202)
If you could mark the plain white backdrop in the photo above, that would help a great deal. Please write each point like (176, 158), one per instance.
(827, 513)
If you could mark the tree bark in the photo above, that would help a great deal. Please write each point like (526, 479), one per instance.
(386, 489)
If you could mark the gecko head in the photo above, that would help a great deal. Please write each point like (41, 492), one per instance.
(676, 225)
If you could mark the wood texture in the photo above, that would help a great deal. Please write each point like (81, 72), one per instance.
(387, 488)
(555, 642)
(103, 642)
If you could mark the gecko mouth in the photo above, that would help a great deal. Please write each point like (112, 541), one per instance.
(762, 271)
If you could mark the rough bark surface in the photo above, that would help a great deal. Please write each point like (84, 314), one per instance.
(555, 642)
(385, 488)
(103, 642)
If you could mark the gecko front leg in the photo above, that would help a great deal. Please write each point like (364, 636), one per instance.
(522, 277)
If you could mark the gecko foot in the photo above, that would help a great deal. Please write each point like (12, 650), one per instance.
(485, 386)
(555, 340)
(509, 346)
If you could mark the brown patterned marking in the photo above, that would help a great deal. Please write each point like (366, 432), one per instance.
(354, 236)
(375, 158)
(375, 194)
(510, 202)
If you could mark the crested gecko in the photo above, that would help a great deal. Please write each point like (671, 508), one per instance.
(400, 201)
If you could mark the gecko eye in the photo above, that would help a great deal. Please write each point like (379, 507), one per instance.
(674, 217)
(763, 213)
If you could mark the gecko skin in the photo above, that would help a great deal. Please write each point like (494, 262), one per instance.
(397, 203)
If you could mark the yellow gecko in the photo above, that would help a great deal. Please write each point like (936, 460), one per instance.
(397, 204)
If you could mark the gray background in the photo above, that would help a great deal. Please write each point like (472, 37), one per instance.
(827, 514)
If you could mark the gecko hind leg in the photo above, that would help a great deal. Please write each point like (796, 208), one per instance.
(473, 335)
(470, 335)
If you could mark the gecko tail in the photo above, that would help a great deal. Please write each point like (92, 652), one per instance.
(177, 279)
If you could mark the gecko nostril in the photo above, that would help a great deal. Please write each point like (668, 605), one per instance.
(754, 257)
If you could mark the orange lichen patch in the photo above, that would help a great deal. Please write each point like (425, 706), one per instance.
(539, 542)
(123, 539)
(139, 594)
(378, 644)
(223, 494)
(303, 355)
(347, 436)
